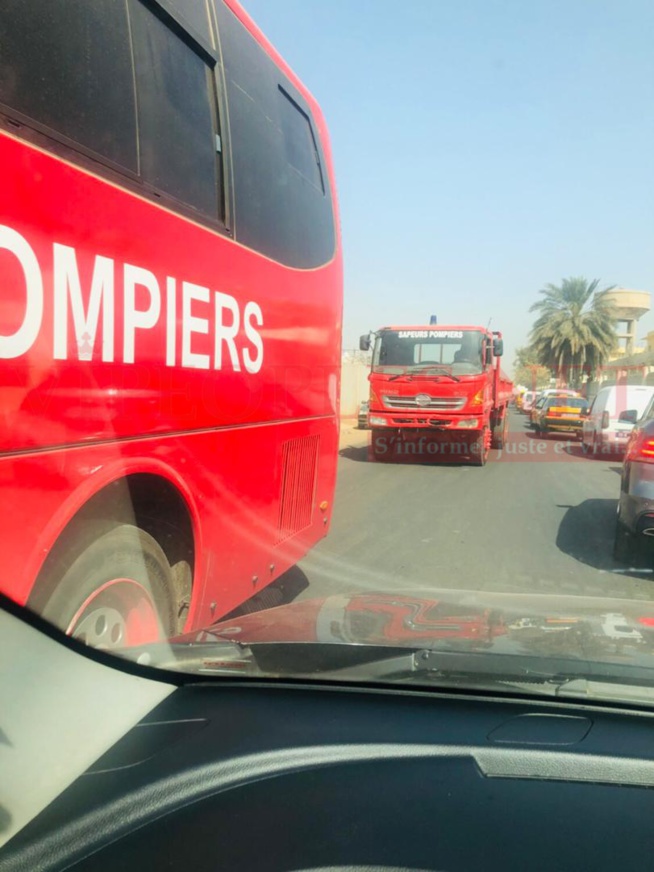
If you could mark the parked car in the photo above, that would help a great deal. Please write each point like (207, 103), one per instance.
(606, 428)
(362, 415)
(560, 414)
(635, 521)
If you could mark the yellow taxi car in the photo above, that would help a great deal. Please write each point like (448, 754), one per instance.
(561, 414)
(540, 399)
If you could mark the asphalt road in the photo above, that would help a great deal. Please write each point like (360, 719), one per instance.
(538, 518)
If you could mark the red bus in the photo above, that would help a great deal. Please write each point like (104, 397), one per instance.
(170, 314)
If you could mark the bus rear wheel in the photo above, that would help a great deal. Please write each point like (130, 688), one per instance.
(111, 588)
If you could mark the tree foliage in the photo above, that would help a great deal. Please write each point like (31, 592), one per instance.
(528, 371)
(574, 332)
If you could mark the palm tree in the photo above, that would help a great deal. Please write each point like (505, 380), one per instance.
(575, 329)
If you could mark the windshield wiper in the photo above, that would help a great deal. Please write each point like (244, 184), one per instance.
(466, 670)
(568, 677)
(361, 662)
(415, 370)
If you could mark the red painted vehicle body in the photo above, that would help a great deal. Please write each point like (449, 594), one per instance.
(437, 393)
(198, 401)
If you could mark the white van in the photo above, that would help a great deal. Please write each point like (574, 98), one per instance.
(602, 428)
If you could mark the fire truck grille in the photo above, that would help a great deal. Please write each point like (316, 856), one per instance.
(446, 404)
(298, 485)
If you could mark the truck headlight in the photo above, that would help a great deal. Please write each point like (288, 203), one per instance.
(374, 421)
(469, 423)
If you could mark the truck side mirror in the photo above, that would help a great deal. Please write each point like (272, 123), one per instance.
(498, 347)
(628, 417)
(364, 342)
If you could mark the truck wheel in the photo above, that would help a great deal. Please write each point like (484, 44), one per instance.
(112, 588)
(499, 432)
(482, 446)
(623, 544)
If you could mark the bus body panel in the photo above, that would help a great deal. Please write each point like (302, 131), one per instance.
(70, 219)
(232, 478)
(121, 355)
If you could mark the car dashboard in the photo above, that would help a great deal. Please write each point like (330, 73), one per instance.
(299, 776)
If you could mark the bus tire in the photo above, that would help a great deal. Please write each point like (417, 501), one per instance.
(111, 587)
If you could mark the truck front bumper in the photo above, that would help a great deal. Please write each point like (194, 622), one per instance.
(426, 421)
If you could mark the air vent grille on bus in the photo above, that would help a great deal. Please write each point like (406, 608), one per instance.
(299, 468)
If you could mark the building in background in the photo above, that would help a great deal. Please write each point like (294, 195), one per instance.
(630, 306)
(632, 362)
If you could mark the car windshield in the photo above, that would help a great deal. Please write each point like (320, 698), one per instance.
(274, 315)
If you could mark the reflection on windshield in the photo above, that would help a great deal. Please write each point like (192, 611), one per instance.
(426, 637)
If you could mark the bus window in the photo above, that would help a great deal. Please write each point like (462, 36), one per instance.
(73, 73)
(280, 206)
(195, 12)
(97, 63)
(175, 112)
(301, 151)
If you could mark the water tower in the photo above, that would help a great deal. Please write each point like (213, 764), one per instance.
(630, 306)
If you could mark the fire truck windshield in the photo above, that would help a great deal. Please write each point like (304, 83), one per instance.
(459, 352)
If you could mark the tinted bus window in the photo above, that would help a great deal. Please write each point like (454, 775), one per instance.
(196, 14)
(67, 64)
(301, 151)
(176, 129)
(280, 207)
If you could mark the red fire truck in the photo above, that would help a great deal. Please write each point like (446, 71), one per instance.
(437, 392)
(170, 315)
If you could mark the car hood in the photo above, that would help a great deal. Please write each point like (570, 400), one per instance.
(606, 630)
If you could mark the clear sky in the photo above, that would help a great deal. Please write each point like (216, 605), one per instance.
(482, 149)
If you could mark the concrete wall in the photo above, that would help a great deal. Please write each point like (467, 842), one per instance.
(354, 386)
